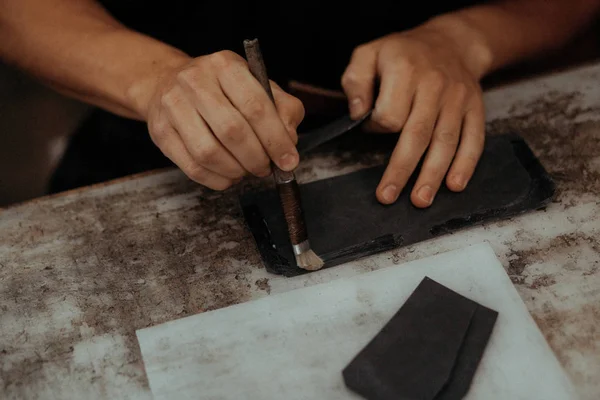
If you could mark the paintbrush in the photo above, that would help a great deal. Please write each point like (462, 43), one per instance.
(285, 181)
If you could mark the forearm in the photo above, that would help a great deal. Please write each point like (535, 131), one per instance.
(504, 32)
(78, 49)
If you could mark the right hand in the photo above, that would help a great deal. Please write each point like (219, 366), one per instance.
(214, 120)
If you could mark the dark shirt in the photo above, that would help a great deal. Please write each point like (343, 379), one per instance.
(307, 40)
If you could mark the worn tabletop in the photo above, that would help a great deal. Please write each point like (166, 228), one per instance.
(81, 271)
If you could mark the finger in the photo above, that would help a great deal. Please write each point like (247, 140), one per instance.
(470, 147)
(444, 142)
(167, 139)
(200, 142)
(413, 141)
(248, 96)
(396, 94)
(358, 80)
(290, 109)
(227, 124)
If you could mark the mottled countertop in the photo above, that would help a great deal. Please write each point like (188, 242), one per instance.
(81, 271)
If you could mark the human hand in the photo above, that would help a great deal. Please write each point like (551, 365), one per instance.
(430, 91)
(215, 121)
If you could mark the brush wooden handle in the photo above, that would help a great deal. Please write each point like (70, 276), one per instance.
(257, 67)
(287, 186)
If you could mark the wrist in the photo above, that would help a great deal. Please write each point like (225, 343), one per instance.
(470, 43)
(141, 90)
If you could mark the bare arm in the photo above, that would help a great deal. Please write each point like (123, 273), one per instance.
(508, 31)
(207, 114)
(77, 48)
(430, 84)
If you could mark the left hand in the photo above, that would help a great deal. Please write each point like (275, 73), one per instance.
(430, 91)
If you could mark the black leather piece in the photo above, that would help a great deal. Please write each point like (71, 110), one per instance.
(429, 349)
(412, 357)
(346, 222)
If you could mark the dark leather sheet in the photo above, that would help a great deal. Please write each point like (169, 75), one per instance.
(346, 222)
(430, 348)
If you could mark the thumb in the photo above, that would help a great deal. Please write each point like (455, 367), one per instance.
(358, 80)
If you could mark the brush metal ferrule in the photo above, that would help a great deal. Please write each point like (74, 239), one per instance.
(282, 177)
(301, 248)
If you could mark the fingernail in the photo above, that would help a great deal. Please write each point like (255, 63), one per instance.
(389, 193)
(288, 161)
(356, 107)
(460, 181)
(425, 193)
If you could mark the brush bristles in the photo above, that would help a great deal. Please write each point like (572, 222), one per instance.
(309, 260)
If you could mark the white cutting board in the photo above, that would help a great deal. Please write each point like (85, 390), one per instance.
(294, 345)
